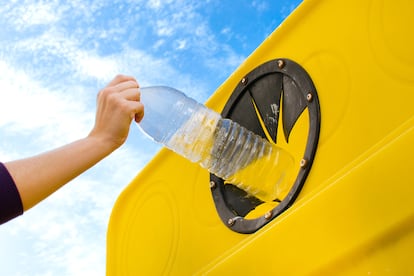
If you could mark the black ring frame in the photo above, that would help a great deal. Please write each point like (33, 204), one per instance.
(286, 67)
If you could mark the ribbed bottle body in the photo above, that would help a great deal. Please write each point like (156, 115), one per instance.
(250, 161)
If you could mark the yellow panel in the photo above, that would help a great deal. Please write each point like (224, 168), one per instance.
(355, 214)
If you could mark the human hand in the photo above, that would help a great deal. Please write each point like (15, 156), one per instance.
(117, 105)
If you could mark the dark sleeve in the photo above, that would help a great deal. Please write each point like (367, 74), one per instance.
(10, 202)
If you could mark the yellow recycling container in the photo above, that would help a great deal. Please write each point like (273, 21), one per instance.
(354, 214)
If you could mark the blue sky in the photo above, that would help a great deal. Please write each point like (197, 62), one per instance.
(56, 55)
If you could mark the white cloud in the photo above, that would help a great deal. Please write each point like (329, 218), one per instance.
(27, 106)
(226, 31)
(181, 44)
(33, 13)
(260, 5)
(90, 65)
(164, 28)
(154, 4)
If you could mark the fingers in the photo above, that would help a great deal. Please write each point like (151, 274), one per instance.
(139, 112)
(127, 84)
(121, 78)
(135, 110)
(131, 94)
(128, 88)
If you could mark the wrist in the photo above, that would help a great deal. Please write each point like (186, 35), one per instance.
(104, 143)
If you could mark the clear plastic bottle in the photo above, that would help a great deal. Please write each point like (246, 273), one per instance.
(220, 145)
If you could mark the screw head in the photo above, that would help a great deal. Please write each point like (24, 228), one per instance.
(244, 80)
(309, 97)
(280, 63)
(268, 215)
(231, 221)
(303, 163)
(212, 184)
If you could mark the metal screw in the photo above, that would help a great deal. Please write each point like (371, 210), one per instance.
(280, 63)
(212, 184)
(309, 97)
(303, 163)
(244, 81)
(231, 221)
(268, 215)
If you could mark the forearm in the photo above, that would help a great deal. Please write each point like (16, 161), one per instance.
(39, 176)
